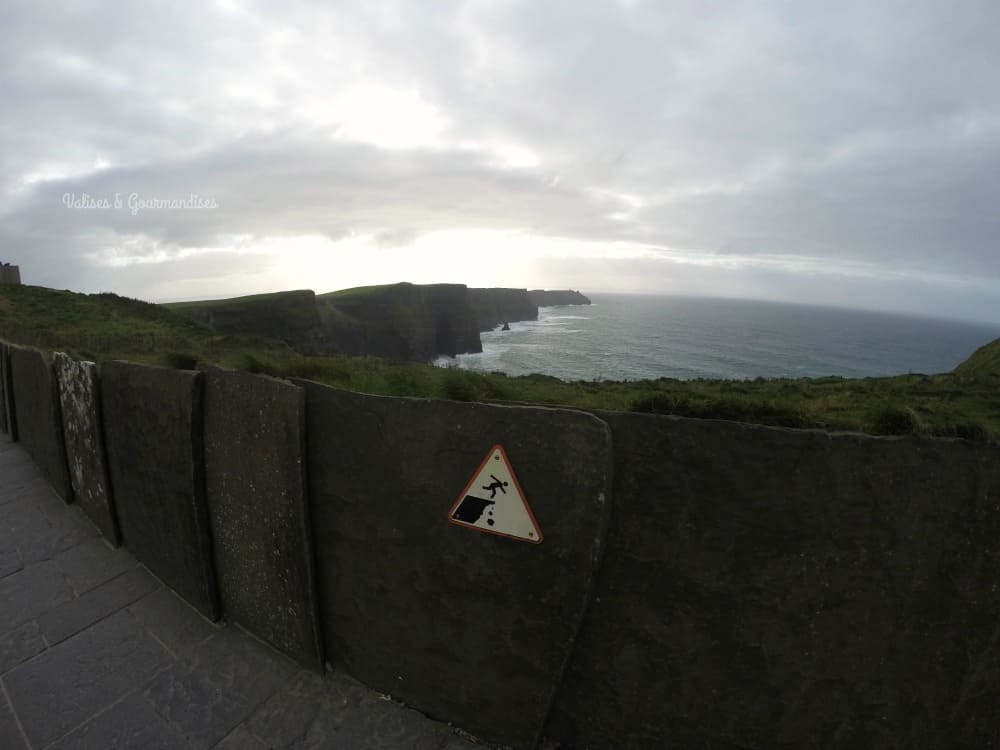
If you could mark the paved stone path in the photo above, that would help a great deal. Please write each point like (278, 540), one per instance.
(96, 653)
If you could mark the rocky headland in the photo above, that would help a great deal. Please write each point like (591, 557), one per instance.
(411, 322)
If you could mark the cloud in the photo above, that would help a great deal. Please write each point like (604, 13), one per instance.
(850, 141)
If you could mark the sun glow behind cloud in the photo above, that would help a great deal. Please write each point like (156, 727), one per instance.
(639, 146)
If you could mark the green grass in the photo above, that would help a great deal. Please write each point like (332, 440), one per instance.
(237, 301)
(984, 361)
(963, 404)
(358, 291)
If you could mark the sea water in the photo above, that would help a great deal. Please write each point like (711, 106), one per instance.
(631, 337)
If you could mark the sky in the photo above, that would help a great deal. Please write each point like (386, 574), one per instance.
(837, 153)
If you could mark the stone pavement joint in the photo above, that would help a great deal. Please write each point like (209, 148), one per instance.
(95, 652)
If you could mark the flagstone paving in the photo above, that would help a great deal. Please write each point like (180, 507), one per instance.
(95, 652)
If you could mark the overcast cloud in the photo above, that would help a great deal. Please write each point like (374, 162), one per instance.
(842, 153)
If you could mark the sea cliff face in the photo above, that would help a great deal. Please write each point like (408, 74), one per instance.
(496, 305)
(289, 316)
(413, 322)
(400, 321)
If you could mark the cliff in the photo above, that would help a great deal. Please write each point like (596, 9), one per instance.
(498, 305)
(289, 316)
(553, 297)
(413, 322)
(400, 321)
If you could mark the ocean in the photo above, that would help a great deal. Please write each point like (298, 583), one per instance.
(632, 337)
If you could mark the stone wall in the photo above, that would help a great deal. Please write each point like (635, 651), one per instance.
(39, 423)
(698, 583)
(768, 587)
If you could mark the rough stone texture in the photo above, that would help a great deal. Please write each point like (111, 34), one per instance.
(219, 685)
(262, 536)
(70, 618)
(29, 593)
(19, 645)
(466, 626)
(130, 724)
(88, 565)
(79, 398)
(93, 691)
(172, 621)
(39, 425)
(769, 588)
(5, 426)
(153, 428)
(7, 392)
(10, 736)
(110, 659)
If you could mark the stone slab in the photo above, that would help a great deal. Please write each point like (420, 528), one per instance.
(172, 621)
(212, 691)
(66, 685)
(70, 618)
(153, 430)
(39, 423)
(31, 592)
(10, 736)
(92, 563)
(766, 587)
(20, 644)
(79, 399)
(467, 627)
(261, 532)
(131, 724)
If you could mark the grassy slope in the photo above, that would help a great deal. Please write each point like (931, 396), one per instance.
(235, 301)
(985, 361)
(963, 404)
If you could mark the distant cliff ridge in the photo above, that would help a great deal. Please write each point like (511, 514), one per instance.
(553, 297)
(400, 321)
(413, 322)
(495, 306)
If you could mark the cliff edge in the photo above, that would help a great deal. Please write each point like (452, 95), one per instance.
(554, 297)
(496, 305)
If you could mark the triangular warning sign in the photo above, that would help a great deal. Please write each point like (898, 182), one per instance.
(494, 502)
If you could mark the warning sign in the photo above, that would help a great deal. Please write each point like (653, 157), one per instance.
(494, 502)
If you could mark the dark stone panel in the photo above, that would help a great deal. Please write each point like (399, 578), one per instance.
(779, 588)
(71, 682)
(4, 422)
(467, 627)
(218, 686)
(131, 724)
(153, 429)
(7, 392)
(262, 536)
(39, 424)
(79, 398)
(70, 618)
